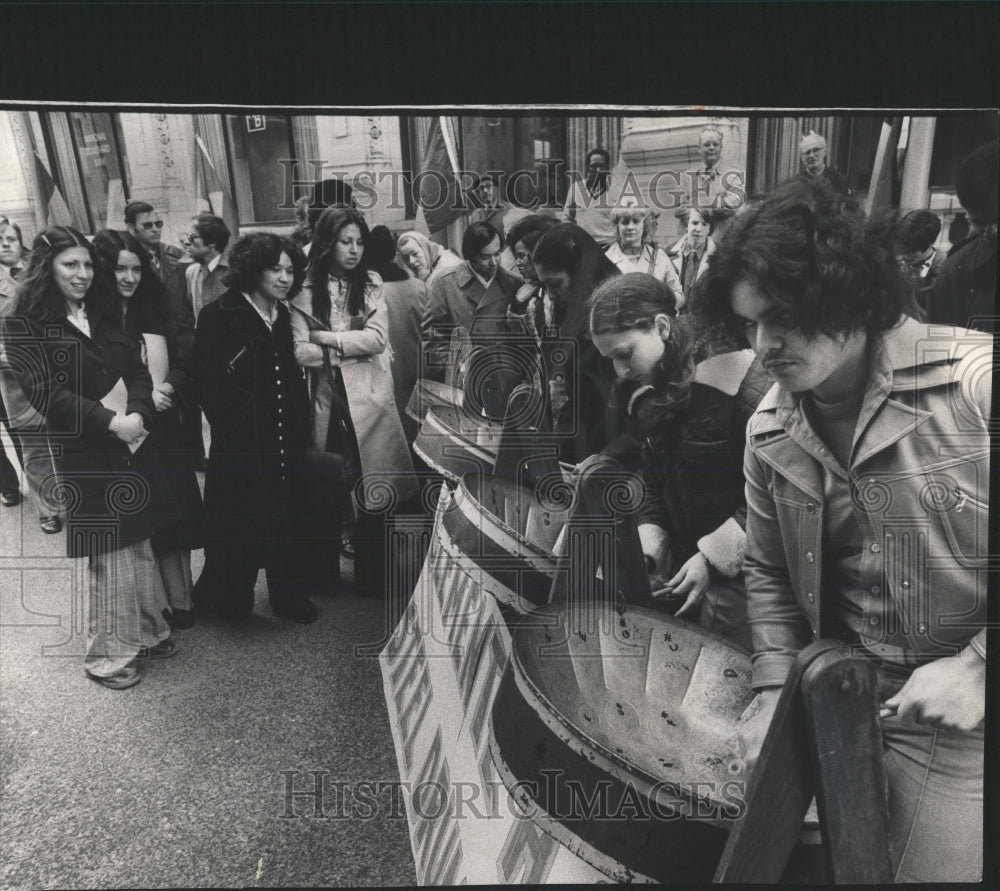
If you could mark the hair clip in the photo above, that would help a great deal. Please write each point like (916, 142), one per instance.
(45, 238)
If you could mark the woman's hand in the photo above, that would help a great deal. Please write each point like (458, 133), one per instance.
(162, 400)
(128, 428)
(329, 339)
(692, 582)
(949, 693)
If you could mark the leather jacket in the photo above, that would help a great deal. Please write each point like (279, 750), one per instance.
(919, 476)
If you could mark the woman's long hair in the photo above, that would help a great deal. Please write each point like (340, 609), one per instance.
(568, 248)
(38, 295)
(631, 303)
(147, 308)
(328, 229)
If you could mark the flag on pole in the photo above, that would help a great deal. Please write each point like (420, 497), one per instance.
(53, 206)
(883, 190)
(213, 196)
(439, 193)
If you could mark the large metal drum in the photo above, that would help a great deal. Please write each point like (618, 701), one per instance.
(621, 739)
(453, 442)
(505, 533)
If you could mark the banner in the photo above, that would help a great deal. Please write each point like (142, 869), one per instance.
(212, 194)
(52, 203)
(440, 672)
(883, 190)
(438, 186)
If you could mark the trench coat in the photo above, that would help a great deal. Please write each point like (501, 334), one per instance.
(382, 450)
(458, 299)
(63, 374)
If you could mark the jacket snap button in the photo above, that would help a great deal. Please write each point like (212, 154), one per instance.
(873, 621)
(921, 629)
(876, 589)
(811, 508)
(810, 596)
(876, 548)
(906, 584)
(810, 557)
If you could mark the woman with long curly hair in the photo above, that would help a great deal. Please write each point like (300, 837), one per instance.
(340, 326)
(67, 347)
(687, 398)
(166, 345)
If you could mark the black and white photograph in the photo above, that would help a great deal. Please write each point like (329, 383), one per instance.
(441, 493)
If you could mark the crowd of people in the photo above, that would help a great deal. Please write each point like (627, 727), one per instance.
(770, 375)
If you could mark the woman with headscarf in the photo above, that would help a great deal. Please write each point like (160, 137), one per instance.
(405, 302)
(425, 259)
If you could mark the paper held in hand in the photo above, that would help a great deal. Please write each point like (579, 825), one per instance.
(117, 401)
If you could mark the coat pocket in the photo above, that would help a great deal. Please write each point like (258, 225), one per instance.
(948, 503)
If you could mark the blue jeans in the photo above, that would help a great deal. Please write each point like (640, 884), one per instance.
(935, 797)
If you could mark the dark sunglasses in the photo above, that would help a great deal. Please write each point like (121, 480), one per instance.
(149, 224)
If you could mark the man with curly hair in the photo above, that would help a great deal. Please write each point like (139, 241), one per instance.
(867, 481)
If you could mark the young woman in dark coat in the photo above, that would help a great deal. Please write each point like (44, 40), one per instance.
(254, 395)
(687, 396)
(76, 365)
(165, 343)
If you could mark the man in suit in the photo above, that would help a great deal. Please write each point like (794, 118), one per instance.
(812, 152)
(474, 295)
(588, 203)
(207, 238)
(712, 186)
(489, 208)
(145, 224)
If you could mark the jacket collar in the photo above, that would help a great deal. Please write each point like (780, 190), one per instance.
(911, 356)
(464, 276)
(474, 290)
(245, 320)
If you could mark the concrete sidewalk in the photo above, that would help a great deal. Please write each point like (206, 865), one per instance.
(182, 781)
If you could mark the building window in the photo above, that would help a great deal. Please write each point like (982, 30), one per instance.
(263, 149)
(86, 157)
